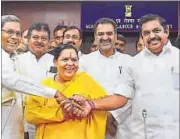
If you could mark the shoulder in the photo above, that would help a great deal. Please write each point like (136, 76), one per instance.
(49, 55)
(89, 56)
(47, 59)
(24, 55)
(84, 77)
(125, 56)
(47, 81)
(175, 50)
(5, 54)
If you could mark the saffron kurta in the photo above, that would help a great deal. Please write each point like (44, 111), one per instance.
(50, 122)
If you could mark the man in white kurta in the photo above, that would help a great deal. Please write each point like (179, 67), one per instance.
(152, 82)
(107, 70)
(156, 81)
(36, 63)
(12, 126)
(28, 65)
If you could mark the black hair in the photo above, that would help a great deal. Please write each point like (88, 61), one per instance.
(152, 17)
(59, 27)
(121, 38)
(61, 47)
(39, 27)
(105, 21)
(74, 27)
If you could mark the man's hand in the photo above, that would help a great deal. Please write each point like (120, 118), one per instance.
(59, 97)
(76, 107)
(79, 99)
(71, 109)
(111, 125)
(86, 104)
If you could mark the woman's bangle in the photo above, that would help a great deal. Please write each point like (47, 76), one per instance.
(92, 105)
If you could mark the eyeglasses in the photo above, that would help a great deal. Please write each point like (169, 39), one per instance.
(74, 37)
(12, 32)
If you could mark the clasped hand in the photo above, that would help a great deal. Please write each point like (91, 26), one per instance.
(76, 107)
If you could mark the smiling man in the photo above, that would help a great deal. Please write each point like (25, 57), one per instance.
(12, 126)
(73, 35)
(36, 63)
(152, 83)
(106, 66)
(11, 36)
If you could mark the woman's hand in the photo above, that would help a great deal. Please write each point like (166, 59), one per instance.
(71, 109)
(79, 99)
(86, 104)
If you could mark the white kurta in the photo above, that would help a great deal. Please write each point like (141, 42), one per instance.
(152, 83)
(17, 82)
(107, 72)
(12, 125)
(27, 65)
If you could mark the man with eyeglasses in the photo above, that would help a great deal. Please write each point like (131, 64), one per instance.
(73, 36)
(12, 127)
(120, 43)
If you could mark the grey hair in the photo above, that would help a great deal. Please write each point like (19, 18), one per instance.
(9, 18)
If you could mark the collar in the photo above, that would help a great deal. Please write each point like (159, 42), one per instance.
(14, 55)
(166, 48)
(34, 56)
(110, 57)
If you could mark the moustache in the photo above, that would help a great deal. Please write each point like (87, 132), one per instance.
(118, 50)
(154, 39)
(102, 41)
(39, 44)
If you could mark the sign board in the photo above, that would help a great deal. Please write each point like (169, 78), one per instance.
(126, 14)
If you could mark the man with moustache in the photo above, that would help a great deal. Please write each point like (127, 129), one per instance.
(151, 81)
(73, 36)
(105, 66)
(12, 126)
(36, 63)
(58, 33)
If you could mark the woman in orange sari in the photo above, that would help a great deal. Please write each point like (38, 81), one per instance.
(49, 117)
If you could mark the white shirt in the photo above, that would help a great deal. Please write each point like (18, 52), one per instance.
(107, 71)
(152, 83)
(27, 64)
(17, 82)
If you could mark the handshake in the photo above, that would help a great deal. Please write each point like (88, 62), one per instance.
(75, 107)
(78, 107)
